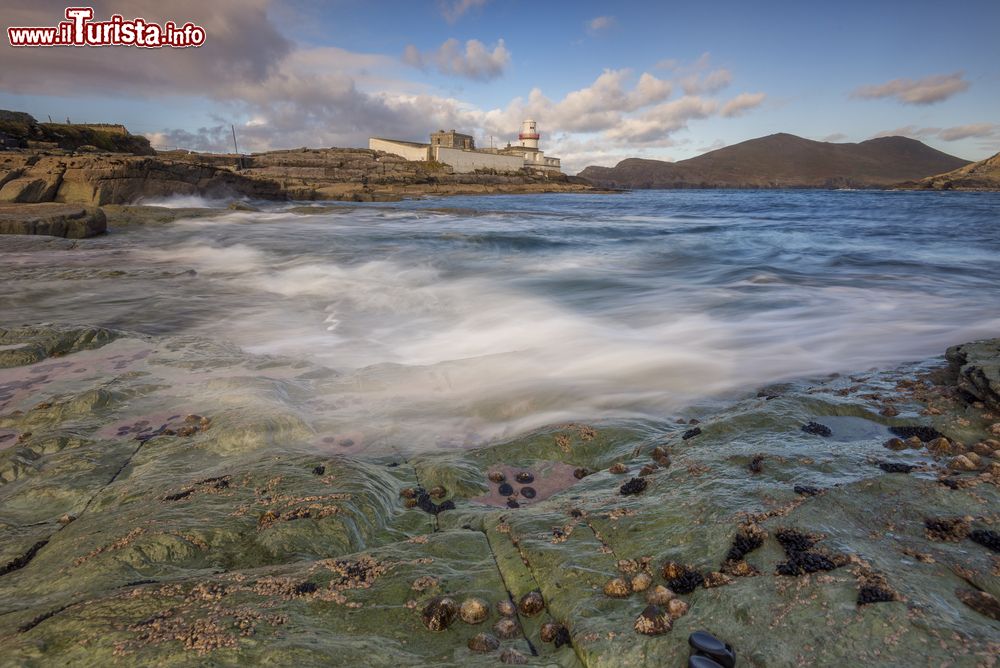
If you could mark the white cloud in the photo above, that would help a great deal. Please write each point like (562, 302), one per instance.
(453, 10)
(979, 130)
(649, 90)
(928, 90)
(599, 24)
(476, 61)
(741, 104)
(956, 133)
(280, 95)
(835, 137)
(658, 123)
(712, 82)
(698, 77)
(714, 146)
(243, 45)
(911, 131)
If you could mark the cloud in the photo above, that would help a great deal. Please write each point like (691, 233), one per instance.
(741, 104)
(242, 46)
(454, 10)
(976, 130)
(649, 90)
(475, 62)
(281, 95)
(656, 124)
(911, 131)
(714, 146)
(980, 130)
(928, 90)
(835, 137)
(599, 106)
(215, 139)
(599, 24)
(698, 78)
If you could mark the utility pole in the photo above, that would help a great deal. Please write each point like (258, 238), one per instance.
(233, 127)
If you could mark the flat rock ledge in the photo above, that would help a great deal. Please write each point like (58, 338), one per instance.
(51, 219)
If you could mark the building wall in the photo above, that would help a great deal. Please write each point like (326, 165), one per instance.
(469, 161)
(452, 139)
(538, 160)
(418, 152)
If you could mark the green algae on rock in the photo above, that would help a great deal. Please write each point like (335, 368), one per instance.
(170, 559)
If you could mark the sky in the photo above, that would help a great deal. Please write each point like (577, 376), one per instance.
(605, 81)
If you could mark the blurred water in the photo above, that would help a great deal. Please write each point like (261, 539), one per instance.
(514, 311)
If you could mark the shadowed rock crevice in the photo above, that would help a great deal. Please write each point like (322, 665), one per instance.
(23, 560)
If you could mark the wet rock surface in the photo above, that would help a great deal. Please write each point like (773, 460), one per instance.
(147, 518)
(51, 219)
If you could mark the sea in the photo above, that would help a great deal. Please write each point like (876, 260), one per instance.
(483, 317)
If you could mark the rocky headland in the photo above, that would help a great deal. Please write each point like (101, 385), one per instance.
(982, 176)
(148, 518)
(357, 175)
(103, 164)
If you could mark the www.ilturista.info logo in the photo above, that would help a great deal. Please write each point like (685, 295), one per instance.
(79, 30)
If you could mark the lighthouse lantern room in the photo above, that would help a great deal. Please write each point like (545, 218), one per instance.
(529, 135)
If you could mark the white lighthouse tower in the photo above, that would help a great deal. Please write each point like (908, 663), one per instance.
(529, 135)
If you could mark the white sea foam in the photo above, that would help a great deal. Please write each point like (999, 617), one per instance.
(479, 353)
(188, 202)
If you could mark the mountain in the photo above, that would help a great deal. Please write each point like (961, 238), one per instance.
(982, 175)
(785, 161)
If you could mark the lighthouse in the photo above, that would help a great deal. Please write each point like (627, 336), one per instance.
(528, 135)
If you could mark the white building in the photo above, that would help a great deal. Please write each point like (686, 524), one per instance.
(459, 151)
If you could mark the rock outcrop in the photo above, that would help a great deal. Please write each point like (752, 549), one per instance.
(50, 219)
(94, 180)
(976, 369)
(23, 130)
(982, 175)
(366, 175)
(304, 174)
(155, 514)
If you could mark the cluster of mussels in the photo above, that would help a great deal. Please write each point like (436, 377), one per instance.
(442, 611)
(955, 529)
(817, 429)
(875, 589)
(748, 538)
(418, 497)
(504, 488)
(801, 557)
